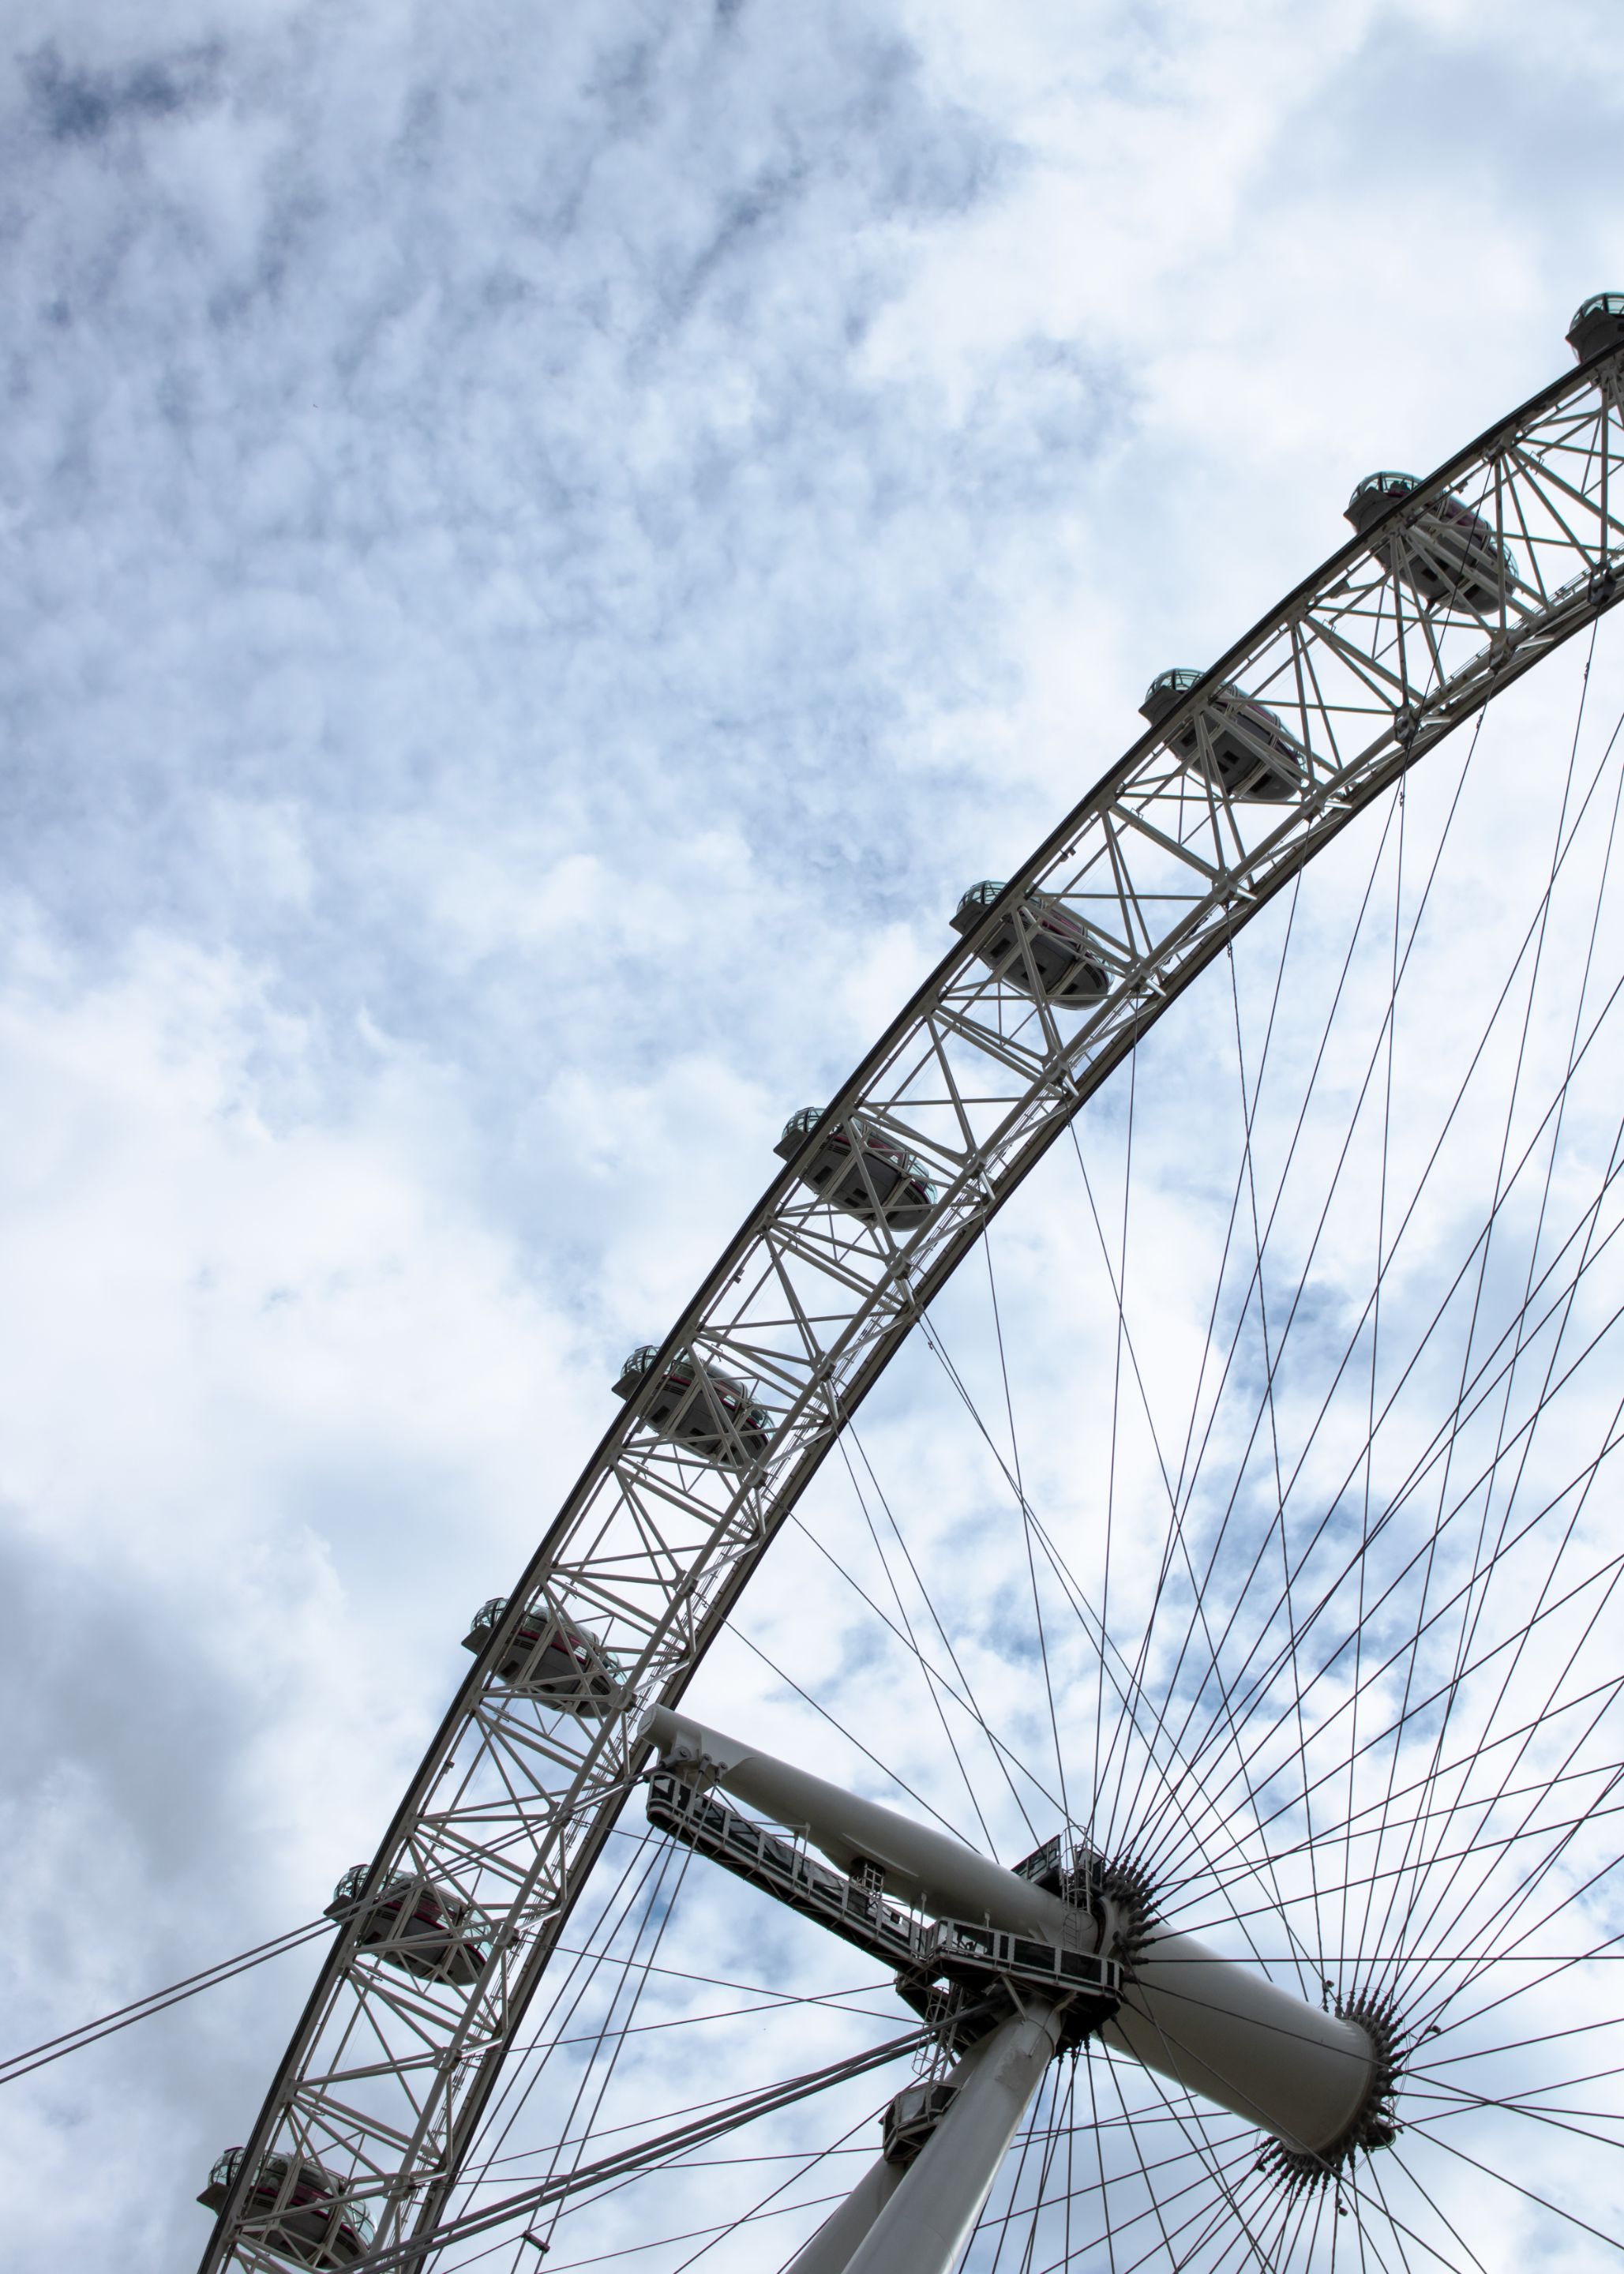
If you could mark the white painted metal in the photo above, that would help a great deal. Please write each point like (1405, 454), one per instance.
(925, 2226)
(1210, 2023)
(927, 1868)
(387, 2078)
(830, 2249)
(1227, 2033)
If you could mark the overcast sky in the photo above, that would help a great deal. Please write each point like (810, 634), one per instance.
(542, 548)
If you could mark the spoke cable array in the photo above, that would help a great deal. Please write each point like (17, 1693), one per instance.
(1210, 1732)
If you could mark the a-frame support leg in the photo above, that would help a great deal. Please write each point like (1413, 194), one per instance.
(920, 2221)
(832, 2248)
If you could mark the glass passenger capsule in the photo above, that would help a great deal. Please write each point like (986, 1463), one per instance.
(911, 2118)
(856, 1170)
(564, 1666)
(425, 1930)
(1598, 323)
(707, 1413)
(1245, 745)
(1039, 940)
(307, 2217)
(1448, 555)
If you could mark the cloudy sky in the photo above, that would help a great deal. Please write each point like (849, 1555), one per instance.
(542, 548)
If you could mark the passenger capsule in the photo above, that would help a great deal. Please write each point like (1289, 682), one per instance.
(425, 1930)
(1597, 324)
(856, 1170)
(707, 1413)
(1039, 947)
(561, 1665)
(1243, 742)
(1448, 555)
(307, 2216)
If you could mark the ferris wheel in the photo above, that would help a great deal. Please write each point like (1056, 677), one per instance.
(1275, 1911)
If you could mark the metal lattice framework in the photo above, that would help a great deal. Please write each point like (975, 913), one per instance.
(388, 2073)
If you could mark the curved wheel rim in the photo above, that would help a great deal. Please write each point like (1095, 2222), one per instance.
(977, 1078)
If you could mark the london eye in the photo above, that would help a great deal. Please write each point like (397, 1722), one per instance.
(1242, 1890)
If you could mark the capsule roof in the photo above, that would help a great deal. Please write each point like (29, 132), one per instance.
(642, 1361)
(803, 1122)
(1598, 323)
(983, 895)
(349, 1888)
(392, 1887)
(1173, 683)
(1225, 695)
(536, 1618)
(1387, 483)
(326, 2186)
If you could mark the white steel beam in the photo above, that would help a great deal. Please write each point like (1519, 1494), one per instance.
(925, 2226)
(830, 2251)
(927, 1868)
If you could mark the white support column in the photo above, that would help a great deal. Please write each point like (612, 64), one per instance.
(927, 2226)
(830, 2249)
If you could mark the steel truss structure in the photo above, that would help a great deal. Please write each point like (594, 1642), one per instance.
(389, 2071)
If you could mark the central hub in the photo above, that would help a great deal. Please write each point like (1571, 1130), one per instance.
(1374, 2123)
(1068, 1933)
(1115, 1893)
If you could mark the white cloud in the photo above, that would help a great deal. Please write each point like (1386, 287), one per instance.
(541, 557)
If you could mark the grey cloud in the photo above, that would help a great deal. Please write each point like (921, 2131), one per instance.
(76, 103)
(521, 611)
